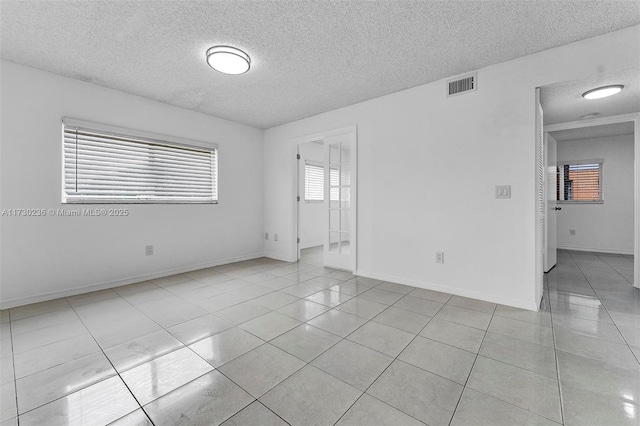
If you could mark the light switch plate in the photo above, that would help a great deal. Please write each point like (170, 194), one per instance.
(503, 191)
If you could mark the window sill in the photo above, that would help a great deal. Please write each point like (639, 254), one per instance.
(567, 202)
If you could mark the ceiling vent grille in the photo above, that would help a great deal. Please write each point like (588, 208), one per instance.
(458, 86)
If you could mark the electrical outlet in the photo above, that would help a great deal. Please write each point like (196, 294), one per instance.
(572, 232)
(266, 235)
(149, 250)
(503, 191)
(275, 237)
(439, 257)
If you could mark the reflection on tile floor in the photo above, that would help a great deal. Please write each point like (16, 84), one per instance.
(267, 342)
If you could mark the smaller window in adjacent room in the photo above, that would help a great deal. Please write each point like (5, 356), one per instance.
(105, 164)
(580, 181)
(313, 182)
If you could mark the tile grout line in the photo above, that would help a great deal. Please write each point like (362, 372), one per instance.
(464, 387)
(265, 342)
(553, 328)
(255, 400)
(390, 364)
(557, 363)
(201, 316)
(613, 322)
(114, 369)
(326, 350)
(504, 362)
(187, 346)
(607, 311)
(102, 350)
(340, 340)
(13, 362)
(18, 414)
(331, 346)
(615, 269)
(239, 386)
(253, 298)
(207, 336)
(418, 335)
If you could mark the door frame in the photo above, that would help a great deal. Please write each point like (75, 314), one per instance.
(352, 131)
(624, 118)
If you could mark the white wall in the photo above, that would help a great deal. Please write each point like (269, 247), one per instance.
(310, 215)
(604, 227)
(427, 170)
(47, 257)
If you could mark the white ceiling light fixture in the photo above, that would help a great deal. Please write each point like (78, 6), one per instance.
(228, 60)
(602, 92)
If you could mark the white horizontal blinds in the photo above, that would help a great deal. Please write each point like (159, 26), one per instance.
(580, 181)
(313, 182)
(106, 167)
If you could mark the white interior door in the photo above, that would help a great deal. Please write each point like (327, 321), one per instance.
(551, 203)
(340, 184)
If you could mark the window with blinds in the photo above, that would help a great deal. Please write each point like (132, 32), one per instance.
(313, 182)
(580, 181)
(103, 164)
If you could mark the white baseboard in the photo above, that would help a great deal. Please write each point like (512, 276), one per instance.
(309, 245)
(12, 303)
(523, 304)
(277, 256)
(597, 250)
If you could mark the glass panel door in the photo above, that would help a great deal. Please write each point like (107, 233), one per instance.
(338, 190)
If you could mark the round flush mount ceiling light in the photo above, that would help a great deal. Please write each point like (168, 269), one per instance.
(228, 60)
(602, 92)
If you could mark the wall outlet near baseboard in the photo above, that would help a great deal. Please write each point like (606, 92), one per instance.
(275, 237)
(503, 191)
(266, 235)
(572, 232)
(148, 250)
(439, 257)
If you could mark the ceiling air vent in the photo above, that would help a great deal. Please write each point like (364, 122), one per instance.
(458, 86)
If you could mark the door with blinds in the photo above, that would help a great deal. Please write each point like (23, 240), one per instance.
(340, 191)
(540, 241)
(551, 197)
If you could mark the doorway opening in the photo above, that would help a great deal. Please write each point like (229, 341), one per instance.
(325, 199)
(594, 188)
(588, 189)
(311, 208)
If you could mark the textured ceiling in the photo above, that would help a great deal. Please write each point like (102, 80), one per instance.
(563, 102)
(594, 131)
(308, 56)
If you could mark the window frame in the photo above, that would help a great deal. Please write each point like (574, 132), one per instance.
(560, 165)
(144, 138)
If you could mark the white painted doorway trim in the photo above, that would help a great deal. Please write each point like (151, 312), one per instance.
(624, 118)
(353, 132)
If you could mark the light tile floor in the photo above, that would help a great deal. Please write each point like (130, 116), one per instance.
(269, 343)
